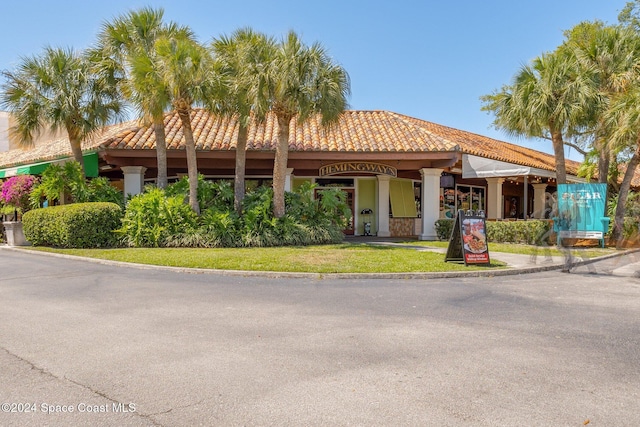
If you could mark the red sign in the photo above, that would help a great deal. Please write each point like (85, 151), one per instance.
(474, 239)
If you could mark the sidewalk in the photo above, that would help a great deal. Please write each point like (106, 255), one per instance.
(516, 263)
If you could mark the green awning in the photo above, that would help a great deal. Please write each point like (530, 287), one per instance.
(90, 166)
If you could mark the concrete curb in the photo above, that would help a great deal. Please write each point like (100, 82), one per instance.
(509, 271)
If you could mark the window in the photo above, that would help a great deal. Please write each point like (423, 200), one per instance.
(470, 197)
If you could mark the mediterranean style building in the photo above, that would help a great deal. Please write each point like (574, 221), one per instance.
(401, 174)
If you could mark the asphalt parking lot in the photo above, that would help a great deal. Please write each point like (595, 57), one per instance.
(90, 344)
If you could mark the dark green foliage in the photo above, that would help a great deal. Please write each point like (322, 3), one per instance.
(153, 217)
(79, 225)
(211, 194)
(443, 228)
(69, 180)
(158, 218)
(99, 190)
(631, 224)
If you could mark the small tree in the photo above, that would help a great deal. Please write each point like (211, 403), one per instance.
(15, 193)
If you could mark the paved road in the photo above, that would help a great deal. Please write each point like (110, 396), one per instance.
(133, 347)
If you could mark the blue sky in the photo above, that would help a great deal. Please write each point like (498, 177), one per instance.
(427, 59)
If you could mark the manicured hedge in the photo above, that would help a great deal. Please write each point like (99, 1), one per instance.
(529, 232)
(78, 225)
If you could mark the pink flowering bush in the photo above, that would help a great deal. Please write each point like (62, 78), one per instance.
(15, 192)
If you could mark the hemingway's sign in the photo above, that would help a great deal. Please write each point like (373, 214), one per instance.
(350, 167)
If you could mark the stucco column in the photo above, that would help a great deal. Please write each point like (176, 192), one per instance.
(133, 179)
(430, 202)
(383, 205)
(494, 198)
(538, 199)
(288, 179)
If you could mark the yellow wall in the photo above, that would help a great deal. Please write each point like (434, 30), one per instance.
(366, 198)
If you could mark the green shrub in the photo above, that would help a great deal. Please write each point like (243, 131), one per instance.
(152, 218)
(444, 228)
(529, 232)
(79, 225)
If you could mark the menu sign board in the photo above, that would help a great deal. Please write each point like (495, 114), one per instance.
(468, 241)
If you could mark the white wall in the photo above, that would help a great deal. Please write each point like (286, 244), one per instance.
(4, 131)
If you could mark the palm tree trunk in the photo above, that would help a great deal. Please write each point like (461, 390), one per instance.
(192, 159)
(604, 159)
(241, 160)
(280, 166)
(76, 149)
(161, 151)
(558, 150)
(618, 221)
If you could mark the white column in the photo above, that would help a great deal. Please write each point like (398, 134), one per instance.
(539, 199)
(494, 198)
(287, 179)
(430, 202)
(133, 179)
(383, 205)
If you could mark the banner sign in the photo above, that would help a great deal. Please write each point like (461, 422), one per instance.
(581, 206)
(468, 242)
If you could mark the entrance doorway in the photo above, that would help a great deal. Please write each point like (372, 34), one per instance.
(350, 192)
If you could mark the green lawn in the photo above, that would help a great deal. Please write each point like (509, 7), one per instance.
(342, 258)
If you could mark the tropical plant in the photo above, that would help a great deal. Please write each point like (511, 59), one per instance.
(57, 89)
(302, 81)
(244, 59)
(152, 218)
(126, 49)
(216, 195)
(547, 99)
(66, 184)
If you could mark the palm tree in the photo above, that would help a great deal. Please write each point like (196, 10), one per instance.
(191, 78)
(546, 100)
(607, 56)
(244, 57)
(57, 89)
(126, 47)
(303, 81)
(624, 116)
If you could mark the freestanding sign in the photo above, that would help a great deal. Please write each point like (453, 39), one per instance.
(580, 212)
(468, 242)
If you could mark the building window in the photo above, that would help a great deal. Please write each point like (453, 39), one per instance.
(470, 197)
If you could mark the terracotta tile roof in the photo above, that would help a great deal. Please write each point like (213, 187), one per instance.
(478, 145)
(357, 131)
(365, 131)
(46, 150)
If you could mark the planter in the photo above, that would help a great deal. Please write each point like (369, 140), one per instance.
(14, 233)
